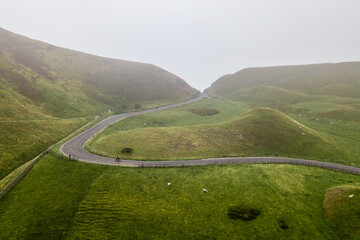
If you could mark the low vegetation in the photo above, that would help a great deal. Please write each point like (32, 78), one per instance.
(244, 213)
(204, 111)
(261, 132)
(342, 206)
(87, 201)
(46, 92)
(21, 141)
(290, 82)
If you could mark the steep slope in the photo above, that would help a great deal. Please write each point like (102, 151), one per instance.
(260, 132)
(341, 79)
(46, 92)
(62, 82)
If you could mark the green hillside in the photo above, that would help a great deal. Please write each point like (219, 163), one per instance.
(269, 95)
(59, 199)
(46, 92)
(261, 132)
(62, 82)
(341, 79)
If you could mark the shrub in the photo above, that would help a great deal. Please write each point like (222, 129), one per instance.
(283, 224)
(244, 213)
(127, 150)
(204, 111)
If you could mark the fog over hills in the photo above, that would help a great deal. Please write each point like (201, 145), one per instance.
(65, 83)
(341, 79)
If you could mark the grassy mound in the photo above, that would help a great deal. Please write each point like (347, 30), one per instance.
(342, 206)
(256, 133)
(59, 199)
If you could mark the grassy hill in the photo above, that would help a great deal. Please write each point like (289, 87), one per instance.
(46, 92)
(72, 200)
(341, 79)
(260, 132)
(67, 83)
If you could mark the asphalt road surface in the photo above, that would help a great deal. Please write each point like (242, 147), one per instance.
(75, 148)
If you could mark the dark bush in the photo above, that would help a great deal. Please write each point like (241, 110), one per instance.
(244, 213)
(127, 150)
(204, 111)
(283, 224)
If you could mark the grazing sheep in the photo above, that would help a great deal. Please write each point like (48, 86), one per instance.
(169, 184)
(351, 196)
(205, 191)
(303, 134)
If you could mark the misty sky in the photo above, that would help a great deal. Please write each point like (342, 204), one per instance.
(198, 40)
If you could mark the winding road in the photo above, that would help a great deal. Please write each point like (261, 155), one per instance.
(75, 148)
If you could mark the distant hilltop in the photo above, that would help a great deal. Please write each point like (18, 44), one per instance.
(65, 83)
(340, 79)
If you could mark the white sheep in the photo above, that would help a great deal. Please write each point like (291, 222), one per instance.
(169, 184)
(351, 196)
(204, 190)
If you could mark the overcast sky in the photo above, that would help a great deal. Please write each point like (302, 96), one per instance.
(198, 40)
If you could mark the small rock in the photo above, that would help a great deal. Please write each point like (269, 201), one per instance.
(299, 115)
(169, 184)
(351, 196)
(204, 190)
(300, 127)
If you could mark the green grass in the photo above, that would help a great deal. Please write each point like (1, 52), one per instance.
(340, 79)
(59, 199)
(345, 134)
(182, 116)
(261, 132)
(10, 177)
(342, 210)
(46, 92)
(65, 83)
(21, 141)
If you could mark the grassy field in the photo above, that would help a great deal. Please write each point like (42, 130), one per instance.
(72, 200)
(21, 141)
(181, 133)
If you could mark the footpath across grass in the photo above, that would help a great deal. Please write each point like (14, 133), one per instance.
(59, 199)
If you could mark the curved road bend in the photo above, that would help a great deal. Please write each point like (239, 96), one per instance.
(75, 148)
